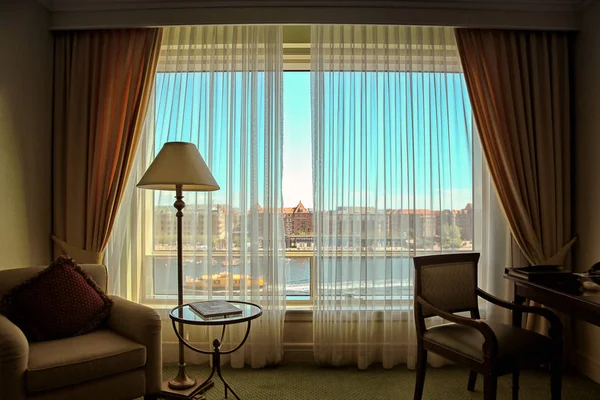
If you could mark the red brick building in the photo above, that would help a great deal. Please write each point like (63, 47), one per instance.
(298, 220)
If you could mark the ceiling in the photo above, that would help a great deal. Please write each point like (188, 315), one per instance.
(505, 5)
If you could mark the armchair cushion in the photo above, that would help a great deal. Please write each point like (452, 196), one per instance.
(141, 324)
(65, 362)
(60, 301)
(513, 343)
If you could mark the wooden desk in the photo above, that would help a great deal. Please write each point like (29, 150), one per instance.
(584, 306)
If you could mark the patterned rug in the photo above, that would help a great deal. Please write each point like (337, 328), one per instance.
(306, 381)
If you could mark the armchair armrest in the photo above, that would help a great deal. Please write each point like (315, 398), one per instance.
(556, 326)
(490, 344)
(141, 324)
(14, 357)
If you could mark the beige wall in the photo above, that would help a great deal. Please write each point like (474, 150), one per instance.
(25, 133)
(587, 173)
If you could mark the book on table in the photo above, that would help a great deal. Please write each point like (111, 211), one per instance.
(215, 308)
(540, 272)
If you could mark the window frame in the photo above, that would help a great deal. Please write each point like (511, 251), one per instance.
(296, 58)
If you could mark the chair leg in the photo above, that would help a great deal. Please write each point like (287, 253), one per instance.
(490, 384)
(515, 384)
(556, 377)
(472, 381)
(421, 369)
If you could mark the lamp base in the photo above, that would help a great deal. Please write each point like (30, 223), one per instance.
(182, 380)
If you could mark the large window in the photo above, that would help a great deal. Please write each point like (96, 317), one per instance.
(414, 229)
(211, 232)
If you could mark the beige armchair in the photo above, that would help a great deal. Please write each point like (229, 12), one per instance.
(121, 361)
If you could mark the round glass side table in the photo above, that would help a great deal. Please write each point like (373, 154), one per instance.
(186, 315)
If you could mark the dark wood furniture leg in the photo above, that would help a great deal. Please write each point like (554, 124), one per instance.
(517, 316)
(517, 321)
(490, 386)
(515, 384)
(556, 378)
(472, 381)
(421, 369)
(556, 365)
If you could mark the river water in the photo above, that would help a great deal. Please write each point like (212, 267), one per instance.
(350, 276)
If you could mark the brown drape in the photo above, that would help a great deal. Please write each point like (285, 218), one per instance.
(518, 83)
(102, 85)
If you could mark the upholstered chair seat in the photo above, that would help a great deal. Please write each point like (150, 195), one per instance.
(515, 345)
(61, 363)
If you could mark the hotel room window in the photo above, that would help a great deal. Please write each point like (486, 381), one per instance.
(297, 200)
(212, 242)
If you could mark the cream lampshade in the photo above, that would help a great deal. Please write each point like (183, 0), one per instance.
(179, 166)
(179, 163)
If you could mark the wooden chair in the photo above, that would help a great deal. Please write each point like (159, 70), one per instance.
(447, 284)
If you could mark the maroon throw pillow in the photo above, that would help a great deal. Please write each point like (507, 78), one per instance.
(61, 301)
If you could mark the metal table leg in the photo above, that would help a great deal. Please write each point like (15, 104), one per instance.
(216, 361)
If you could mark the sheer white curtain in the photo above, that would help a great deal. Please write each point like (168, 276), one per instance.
(219, 87)
(498, 248)
(393, 177)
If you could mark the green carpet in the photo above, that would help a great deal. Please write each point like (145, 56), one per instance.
(306, 381)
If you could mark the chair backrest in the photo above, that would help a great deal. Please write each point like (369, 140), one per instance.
(10, 278)
(448, 282)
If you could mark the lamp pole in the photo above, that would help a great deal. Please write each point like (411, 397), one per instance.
(182, 380)
(179, 164)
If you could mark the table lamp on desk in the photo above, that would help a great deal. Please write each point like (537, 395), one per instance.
(180, 167)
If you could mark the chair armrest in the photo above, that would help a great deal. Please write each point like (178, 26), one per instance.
(490, 344)
(14, 357)
(141, 324)
(556, 326)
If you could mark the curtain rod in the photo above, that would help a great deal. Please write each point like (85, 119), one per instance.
(494, 19)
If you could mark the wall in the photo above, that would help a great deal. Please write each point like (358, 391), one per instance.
(587, 174)
(25, 133)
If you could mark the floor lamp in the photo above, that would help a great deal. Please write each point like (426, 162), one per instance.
(179, 166)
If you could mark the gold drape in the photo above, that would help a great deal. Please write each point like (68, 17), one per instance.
(102, 85)
(518, 83)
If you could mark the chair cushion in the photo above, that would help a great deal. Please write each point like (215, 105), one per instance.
(70, 361)
(513, 343)
(60, 301)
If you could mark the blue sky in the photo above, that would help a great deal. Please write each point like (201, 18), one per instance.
(439, 109)
(189, 115)
(297, 148)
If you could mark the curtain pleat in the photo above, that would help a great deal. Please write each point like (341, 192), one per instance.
(392, 178)
(102, 84)
(518, 83)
